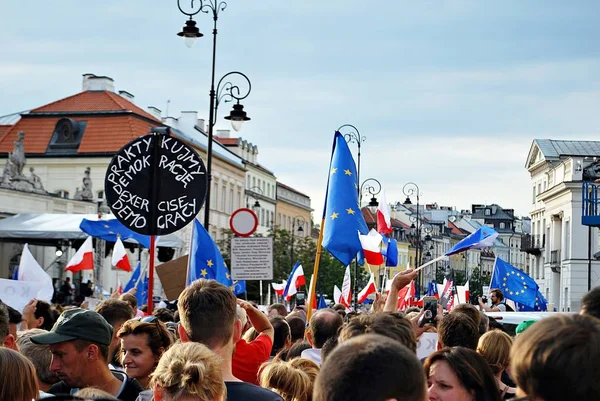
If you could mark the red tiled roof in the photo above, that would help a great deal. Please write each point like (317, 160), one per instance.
(456, 230)
(227, 141)
(4, 129)
(103, 134)
(93, 101)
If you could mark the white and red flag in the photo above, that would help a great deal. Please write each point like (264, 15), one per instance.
(294, 282)
(83, 258)
(370, 244)
(346, 296)
(279, 288)
(384, 220)
(119, 256)
(463, 292)
(406, 295)
(368, 290)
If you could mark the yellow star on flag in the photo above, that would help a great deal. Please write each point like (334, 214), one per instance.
(518, 274)
(334, 216)
(508, 274)
(504, 278)
(350, 211)
(106, 226)
(209, 263)
(334, 170)
(511, 293)
(512, 272)
(522, 291)
(347, 172)
(204, 273)
(228, 276)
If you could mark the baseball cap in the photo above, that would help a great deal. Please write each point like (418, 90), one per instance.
(77, 324)
(524, 325)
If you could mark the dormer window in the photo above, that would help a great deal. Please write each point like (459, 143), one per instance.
(67, 136)
(488, 212)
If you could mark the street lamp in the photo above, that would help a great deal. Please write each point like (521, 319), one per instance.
(354, 137)
(300, 230)
(256, 206)
(226, 93)
(411, 189)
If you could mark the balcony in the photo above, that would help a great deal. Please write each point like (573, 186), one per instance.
(532, 244)
(555, 261)
(590, 204)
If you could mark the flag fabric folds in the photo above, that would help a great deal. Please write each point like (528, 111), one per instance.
(391, 253)
(110, 230)
(368, 290)
(541, 305)
(322, 303)
(515, 284)
(205, 259)
(370, 246)
(294, 281)
(239, 287)
(83, 258)
(432, 290)
(406, 295)
(462, 292)
(346, 297)
(384, 221)
(120, 260)
(447, 296)
(483, 237)
(142, 292)
(337, 294)
(30, 270)
(135, 277)
(279, 288)
(343, 217)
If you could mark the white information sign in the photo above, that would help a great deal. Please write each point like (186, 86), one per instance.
(426, 345)
(252, 258)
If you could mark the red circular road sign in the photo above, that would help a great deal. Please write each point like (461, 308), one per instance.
(243, 222)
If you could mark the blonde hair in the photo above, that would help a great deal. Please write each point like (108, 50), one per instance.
(93, 393)
(494, 346)
(250, 335)
(18, 377)
(292, 380)
(189, 370)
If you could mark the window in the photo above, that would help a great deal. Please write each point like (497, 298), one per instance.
(215, 195)
(100, 195)
(533, 198)
(488, 212)
(253, 182)
(262, 217)
(230, 201)
(223, 198)
(248, 182)
(279, 219)
(63, 193)
(502, 226)
(238, 197)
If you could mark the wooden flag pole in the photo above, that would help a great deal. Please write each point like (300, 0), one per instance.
(313, 283)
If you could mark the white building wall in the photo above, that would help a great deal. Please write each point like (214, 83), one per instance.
(257, 178)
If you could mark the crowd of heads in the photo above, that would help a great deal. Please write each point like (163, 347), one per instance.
(197, 353)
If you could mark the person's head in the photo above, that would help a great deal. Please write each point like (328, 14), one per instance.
(92, 393)
(242, 316)
(459, 374)
(523, 326)
(292, 380)
(6, 338)
(131, 300)
(469, 310)
(457, 330)
(14, 319)
(44, 316)
(296, 349)
(281, 337)
(250, 335)
(39, 355)
(188, 371)
(297, 328)
(164, 315)
(142, 345)
(590, 303)
(373, 359)
(494, 346)
(323, 325)
(79, 342)
(115, 312)
(207, 312)
(557, 359)
(18, 377)
(328, 347)
(68, 280)
(396, 328)
(496, 296)
(340, 309)
(484, 323)
(277, 310)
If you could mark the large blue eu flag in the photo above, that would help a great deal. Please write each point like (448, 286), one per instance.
(135, 278)
(205, 259)
(541, 305)
(515, 284)
(342, 215)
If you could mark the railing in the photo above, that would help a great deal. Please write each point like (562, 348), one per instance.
(532, 242)
(590, 204)
(555, 258)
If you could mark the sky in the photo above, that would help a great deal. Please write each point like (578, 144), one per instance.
(448, 94)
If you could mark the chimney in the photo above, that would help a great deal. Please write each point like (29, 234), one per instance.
(171, 122)
(93, 82)
(188, 120)
(156, 112)
(223, 133)
(202, 124)
(127, 95)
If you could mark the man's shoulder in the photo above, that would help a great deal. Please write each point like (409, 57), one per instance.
(249, 392)
(59, 388)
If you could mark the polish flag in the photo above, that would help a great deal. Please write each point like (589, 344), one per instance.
(406, 295)
(83, 258)
(337, 294)
(346, 297)
(370, 245)
(368, 290)
(463, 293)
(384, 221)
(119, 256)
(279, 288)
(295, 280)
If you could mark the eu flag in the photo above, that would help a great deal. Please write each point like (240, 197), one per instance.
(342, 215)
(540, 305)
(142, 292)
(134, 278)
(205, 259)
(239, 287)
(515, 284)
(322, 304)
(432, 289)
(391, 253)
(109, 230)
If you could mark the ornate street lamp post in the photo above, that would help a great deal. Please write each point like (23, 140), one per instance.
(300, 230)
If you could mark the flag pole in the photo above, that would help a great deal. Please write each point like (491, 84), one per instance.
(313, 283)
(151, 274)
(431, 262)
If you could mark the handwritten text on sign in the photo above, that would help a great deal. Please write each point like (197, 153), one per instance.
(252, 258)
(156, 184)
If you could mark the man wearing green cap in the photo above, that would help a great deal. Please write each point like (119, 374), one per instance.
(79, 342)
(523, 326)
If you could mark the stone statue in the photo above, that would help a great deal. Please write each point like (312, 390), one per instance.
(6, 175)
(86, 192)
(17, 157)
(36, 180)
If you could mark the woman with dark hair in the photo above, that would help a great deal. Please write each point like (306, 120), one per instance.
(40, 315)
(459, 374)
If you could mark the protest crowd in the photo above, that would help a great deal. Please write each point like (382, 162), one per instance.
(215, 346)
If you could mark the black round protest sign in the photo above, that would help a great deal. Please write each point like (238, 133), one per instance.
(156, 184)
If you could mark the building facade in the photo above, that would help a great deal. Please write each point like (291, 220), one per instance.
(558, 245)
(293, 211)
